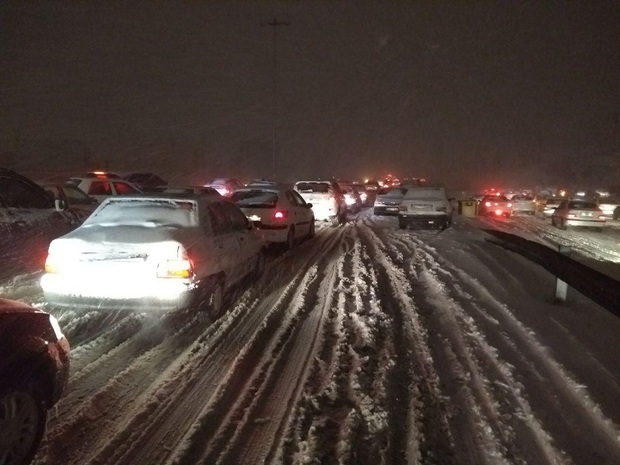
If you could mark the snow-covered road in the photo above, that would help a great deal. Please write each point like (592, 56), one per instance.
(364, 345)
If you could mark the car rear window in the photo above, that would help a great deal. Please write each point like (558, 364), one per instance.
(146, 212)
(255, 199)
(315, 187)
(435, 194)
(582, 205)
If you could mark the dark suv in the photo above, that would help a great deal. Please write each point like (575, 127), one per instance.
(34, 369)
(29, 219)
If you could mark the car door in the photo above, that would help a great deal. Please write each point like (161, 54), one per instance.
(302, 213)
(226, 245)
(245, 237)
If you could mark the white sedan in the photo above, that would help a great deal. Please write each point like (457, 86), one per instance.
(153, 252)
(281, 214)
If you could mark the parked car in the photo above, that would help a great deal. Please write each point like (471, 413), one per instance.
(281, 214)
(352, 197)
(77, 201)
(143, 180)
(225, 186)
(579, 213)
(102, 186)
(327, 199)
(425, 206)
(154, 252)
(29, 220)
(495, 205)
(367, 200)
(388, 201)
(523, 204)
(610, 207)
(550, 205)
(34, 369)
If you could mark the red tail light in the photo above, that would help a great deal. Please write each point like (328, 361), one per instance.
(180, 268)
(280, 215)
(488, 204)
(498, 212)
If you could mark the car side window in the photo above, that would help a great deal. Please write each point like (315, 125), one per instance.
(238, 220)
(122, 188)
(100, 188)
(292, 199)
(220, 222)
(76, 196)
(300, 200)
(17, 194)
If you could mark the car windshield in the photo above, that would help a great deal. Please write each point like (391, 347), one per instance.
(145, 212)
(255, 199)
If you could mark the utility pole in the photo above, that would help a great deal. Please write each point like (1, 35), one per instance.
(274, 24)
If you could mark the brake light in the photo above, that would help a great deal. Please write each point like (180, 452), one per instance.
(279, 215)
(498, 212)
(488, 204)
(509, 205)
(178, 268)
(53, 264)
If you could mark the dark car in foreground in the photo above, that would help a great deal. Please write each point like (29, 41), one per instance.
(34, 369)
(29, 219)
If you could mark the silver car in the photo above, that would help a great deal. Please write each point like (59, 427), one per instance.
(388, 201)
(578, 213)
(154, 252)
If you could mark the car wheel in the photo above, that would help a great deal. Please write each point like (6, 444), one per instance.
(290, 238)
(23, 419)
(216, 297)
(375, 211)
(259, 267)
(311, 230)
(402, 224)
(563, 225)
(553, 222)
(342, 218)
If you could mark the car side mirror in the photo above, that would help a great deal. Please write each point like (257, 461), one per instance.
(60, 205)
(309, 205)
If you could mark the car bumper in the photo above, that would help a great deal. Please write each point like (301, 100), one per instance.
(585, 223)
(153, 294)
(274, 234)
(386, 210)
(323, 212)
(428, 219)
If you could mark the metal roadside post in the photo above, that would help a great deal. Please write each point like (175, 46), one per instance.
(561, 287)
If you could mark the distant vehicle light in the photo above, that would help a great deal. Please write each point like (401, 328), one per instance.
(509, 205)
(487, 204)
(498, 212)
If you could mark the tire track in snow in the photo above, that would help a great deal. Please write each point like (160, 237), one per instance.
(519, 343)
(419, 407)
(214, 376)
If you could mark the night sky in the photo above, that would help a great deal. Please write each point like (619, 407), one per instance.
(464, 93)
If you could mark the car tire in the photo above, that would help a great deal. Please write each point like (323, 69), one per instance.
(290, 238)
(215, 300)
(342, 218)
(402, 224)
(24, 417)
(563, 226)
(259, 267)
(311, 231)
(375, 211)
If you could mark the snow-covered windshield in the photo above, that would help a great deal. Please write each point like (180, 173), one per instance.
(145, 212)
